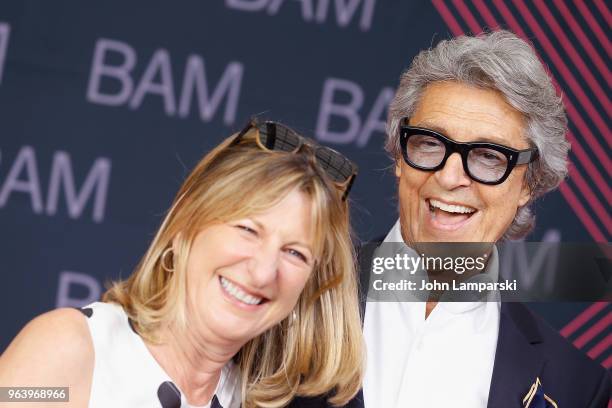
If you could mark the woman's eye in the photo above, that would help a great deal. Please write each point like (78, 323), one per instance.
(247, 229)
(298, 255)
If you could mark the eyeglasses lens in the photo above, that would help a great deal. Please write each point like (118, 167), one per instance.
(487, 164)
(425, 151)
(275, 137)
(278, 137)
(484, 164)
(338, 168)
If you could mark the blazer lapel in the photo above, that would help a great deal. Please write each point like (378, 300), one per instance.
(517, 360)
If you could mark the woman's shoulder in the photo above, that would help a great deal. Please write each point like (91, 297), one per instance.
(60, 336)
(70, 320)
(66, 331)
(53, 349)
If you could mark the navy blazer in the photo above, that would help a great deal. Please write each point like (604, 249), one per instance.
(527, 348)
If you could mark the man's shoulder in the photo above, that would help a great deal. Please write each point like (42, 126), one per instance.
(567, 370)
(556, 348)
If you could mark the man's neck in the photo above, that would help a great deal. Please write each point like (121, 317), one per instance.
(429, 307)
(431, 304)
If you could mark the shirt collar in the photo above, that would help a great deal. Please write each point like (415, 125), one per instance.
(490, 274)
(395, 234)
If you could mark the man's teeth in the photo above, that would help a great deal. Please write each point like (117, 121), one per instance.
(452, 208)
(239, 294)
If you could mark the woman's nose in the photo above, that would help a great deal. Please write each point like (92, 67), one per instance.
(263, 266)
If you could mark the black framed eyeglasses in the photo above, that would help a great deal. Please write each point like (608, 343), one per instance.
(276, 136)
(487, 163)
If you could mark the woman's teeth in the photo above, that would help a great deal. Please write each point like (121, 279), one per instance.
(451, 208)
(238, 293)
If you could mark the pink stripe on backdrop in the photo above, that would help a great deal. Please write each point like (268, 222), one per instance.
(600, 211)
(507, 15)
(607, 362)
(601, 36)
(584, 41)
(586, 133)
(486, 13)
(467, 16)
(563, 70)
(594, 330)
(600, 347)
(590, 168)
(603, 9)
(581, 213)
(582, 318)
(574, 56)
(571, 110)
(447, 16)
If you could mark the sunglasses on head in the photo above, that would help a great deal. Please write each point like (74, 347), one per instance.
(487, 163)
(278, 137)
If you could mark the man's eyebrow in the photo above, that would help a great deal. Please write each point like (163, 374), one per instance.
(442, 130)
(434, 127)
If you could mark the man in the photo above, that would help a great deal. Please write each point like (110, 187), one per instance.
(488, 89)
(477, 133)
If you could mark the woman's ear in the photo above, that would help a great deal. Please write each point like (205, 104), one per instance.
(176, 241)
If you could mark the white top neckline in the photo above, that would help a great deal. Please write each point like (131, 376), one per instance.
(127, 375)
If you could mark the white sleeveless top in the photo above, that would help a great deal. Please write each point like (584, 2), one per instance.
(126, 374)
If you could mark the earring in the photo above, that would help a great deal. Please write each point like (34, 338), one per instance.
(163, 260)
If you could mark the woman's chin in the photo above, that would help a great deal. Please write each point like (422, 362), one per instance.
(228, 326)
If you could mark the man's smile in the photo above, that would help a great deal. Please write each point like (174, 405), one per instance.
(448, 216)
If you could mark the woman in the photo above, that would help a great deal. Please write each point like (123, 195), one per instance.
(247, 294)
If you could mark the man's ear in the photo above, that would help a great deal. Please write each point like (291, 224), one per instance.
(398, 168)
(525, 194)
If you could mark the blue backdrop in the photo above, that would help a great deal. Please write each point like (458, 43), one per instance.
(105, 107)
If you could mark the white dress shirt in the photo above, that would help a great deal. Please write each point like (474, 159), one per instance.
(445, 360)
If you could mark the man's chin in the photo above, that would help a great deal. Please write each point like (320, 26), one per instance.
(460, 235)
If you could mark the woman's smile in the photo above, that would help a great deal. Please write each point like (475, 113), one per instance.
(238, 295)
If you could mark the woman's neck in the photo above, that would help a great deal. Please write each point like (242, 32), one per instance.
(194, 362)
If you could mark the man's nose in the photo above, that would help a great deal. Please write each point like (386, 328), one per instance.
(263, 266)
(452, 175)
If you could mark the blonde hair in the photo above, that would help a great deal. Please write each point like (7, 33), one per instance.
(320, 351)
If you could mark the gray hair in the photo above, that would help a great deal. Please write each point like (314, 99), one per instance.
(503, 62)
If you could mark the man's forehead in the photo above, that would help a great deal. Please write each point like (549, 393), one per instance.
(489, 136)
(468, 113)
